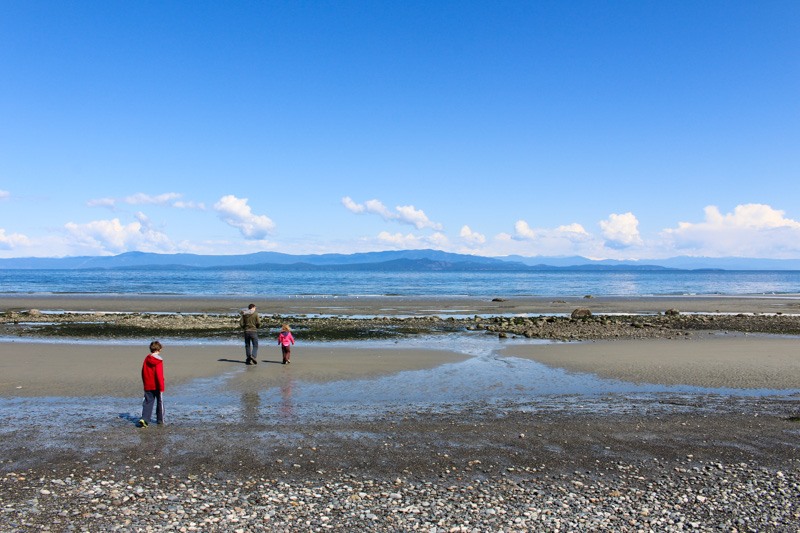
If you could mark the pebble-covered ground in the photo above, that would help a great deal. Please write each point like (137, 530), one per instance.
(730, 466)
(687, 496)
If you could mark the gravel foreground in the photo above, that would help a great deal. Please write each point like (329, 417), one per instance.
(658, 465)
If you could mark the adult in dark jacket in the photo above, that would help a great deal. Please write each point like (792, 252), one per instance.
(250, 323)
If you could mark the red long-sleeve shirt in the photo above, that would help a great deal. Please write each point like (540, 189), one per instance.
(153, 372)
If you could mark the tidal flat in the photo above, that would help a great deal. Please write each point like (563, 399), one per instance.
(666, 422)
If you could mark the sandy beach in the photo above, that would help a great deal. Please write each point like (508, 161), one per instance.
(737, 362)
(55, 369)
(475, 433)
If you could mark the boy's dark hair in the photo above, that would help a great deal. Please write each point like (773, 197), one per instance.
(155, 346)
(251, 306)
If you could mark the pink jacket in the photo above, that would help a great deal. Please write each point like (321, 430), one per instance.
(285, 338)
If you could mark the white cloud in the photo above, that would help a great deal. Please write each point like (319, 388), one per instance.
(405, 214)
(112, 236)
(438, 240)
(567, 239)
(4, 194)
(377, 207)
(352, 206)
(754, 216)
(470, 236)
(621, 231)
(416, 217)
(410, 241)
(575, 231)
(180, 204)
(14, 240)
(399, 240)
(141, 198)
(751, 230)
(523, 230)
(172, 199)
(236, 213)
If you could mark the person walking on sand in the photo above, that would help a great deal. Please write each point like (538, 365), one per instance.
(153, 382)
(285, 341)
(250, 324)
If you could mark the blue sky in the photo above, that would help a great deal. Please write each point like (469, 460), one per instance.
(626, 130)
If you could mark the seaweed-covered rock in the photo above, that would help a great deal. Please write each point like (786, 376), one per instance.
(582, 312)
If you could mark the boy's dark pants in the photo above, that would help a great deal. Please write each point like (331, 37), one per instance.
(153, 397)
(251, 338)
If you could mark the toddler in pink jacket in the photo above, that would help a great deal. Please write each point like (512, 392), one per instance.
(285, 341)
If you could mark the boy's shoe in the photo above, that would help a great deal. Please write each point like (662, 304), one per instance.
(142, 423)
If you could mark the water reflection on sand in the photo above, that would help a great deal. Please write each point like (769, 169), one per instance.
(485, 380)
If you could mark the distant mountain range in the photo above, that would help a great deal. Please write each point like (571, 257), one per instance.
(404, 260)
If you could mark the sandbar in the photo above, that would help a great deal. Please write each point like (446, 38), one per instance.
(91, 369)
(718, 361)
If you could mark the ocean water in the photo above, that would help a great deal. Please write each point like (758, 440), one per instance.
(356, 283)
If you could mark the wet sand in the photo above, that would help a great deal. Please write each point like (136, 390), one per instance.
(721, 361)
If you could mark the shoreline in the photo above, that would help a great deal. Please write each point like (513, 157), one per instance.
(403, 305)
(146, 317)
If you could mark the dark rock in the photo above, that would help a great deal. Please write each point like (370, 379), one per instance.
(582, 312)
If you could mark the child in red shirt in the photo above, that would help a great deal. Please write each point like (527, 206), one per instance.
(153, 381)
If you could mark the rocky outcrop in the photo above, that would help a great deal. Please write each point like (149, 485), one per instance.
(580, 325)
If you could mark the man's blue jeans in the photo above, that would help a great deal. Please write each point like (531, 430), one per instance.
(251, 344)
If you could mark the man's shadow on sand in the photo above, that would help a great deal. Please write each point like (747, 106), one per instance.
(244, 362)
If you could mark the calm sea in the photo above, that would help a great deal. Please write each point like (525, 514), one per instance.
(353, 283)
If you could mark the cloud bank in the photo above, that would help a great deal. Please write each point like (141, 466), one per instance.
(747, 230)
(751, 230)
(105, 236)
(404, 214)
